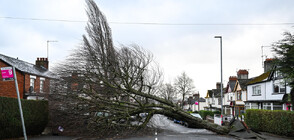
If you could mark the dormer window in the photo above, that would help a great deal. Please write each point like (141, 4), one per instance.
(279, 87)
(278, 75)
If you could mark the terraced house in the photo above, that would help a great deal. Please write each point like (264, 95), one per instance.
(33, 79)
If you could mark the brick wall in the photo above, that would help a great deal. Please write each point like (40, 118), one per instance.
(27, 82)
(7, 88)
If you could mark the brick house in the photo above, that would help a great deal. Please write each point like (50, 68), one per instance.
(33, 79)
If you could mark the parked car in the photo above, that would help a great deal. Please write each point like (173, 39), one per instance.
(179, 121)
(185, 123)
(196, 115)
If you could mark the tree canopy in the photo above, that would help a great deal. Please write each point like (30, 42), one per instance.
(285, 55)
(114, 85)
(184, 86)
(284, 59)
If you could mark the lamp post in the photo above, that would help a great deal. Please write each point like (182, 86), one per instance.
(221, 61)
(48, 47)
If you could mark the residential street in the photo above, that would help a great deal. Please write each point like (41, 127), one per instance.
(172, 131)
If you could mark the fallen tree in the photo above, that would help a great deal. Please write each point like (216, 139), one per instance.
(116, 84)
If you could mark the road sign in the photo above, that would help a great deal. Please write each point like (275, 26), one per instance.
(7, 74)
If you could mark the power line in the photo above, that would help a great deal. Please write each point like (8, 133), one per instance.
(156, 23)
(42, 19)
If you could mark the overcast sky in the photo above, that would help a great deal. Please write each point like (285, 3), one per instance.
(181, 41)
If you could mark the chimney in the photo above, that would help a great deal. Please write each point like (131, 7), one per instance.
(42, 62)
(242, 74)
(218, 85)
(268, 64)
(196, 96)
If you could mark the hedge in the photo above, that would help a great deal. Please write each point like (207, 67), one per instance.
(204, 113)
(35, 116)
(277, 121)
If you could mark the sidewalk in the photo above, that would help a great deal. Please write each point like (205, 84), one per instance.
(269, 136)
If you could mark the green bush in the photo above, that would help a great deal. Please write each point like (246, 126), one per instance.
(278, 121)
(35, 116)
(204, 113)
(195, 111)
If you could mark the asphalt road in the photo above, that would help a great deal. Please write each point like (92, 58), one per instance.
(171, 131)
(170, 135)
(167, 135)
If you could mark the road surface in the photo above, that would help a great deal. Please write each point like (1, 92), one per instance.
(171, 131)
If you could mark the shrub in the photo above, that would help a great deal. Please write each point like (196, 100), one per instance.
(278, 121)
(35, 116)
(195, 111)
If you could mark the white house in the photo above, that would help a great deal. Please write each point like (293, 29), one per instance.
(236, 93)
(213, 99)
(268, 91)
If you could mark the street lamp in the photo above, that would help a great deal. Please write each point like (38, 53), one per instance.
(48, 47)
(221, 61)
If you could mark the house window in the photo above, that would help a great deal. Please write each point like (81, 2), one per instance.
(42, 81)
(256, 90)
(277, 106)
(254, 105)
(278, 74)
(267, 106)
(247, 106)
(32, 83)
(239, 95)
(279, 87)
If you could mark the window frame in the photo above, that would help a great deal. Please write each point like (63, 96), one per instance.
(256, 90)
(33, 82)
(279, 87)
(239, 95)
(42, 84)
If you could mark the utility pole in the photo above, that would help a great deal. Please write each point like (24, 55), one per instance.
(221, 70)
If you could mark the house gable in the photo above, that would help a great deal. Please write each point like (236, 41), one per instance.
(237, 87)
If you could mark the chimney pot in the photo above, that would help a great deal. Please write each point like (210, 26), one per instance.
(233, 78)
